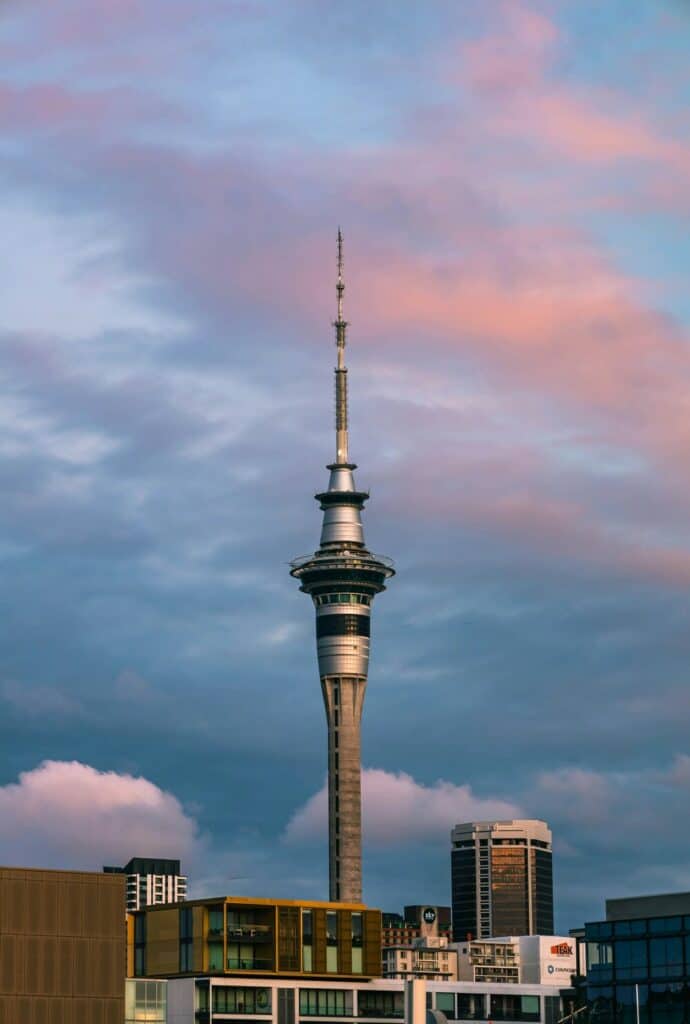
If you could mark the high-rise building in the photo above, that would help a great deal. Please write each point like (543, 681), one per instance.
(151, 880)
(502, 880)
(342, 577)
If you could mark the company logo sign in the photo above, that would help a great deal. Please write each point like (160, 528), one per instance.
(429, 915)
(562, 949)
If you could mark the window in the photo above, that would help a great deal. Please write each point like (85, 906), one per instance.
(631, 958)
(626, 1008)
(599, 961)
(601, 1004)
(521, 1008)
(357, 941)
(145, 1001)
(471, 1007)
(307, 940)
(381, 1004)
(215, 921)
(664, 925)
(241, 1000)
(629, 927)
(140, 945)
(325, 1002)
(332, 940)
(666, 1003)
(445, 1001)
(186, 940)
(215, 956)
(666, 957)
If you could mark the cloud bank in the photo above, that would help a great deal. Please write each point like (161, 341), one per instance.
(397, 809)
(68, 814)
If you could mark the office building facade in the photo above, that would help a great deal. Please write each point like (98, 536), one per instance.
(239, 935)
(501, 876)
(638, 961)
(204, 1000)
(151, 881)
(62, 950)
(342, 577)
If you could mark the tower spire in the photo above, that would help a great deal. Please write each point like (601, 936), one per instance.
(341, 438)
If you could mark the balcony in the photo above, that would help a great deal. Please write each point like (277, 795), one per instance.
(250, 932)
(253, 964)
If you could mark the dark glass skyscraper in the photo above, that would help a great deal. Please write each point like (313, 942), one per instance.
(501, 879)
(342, 577)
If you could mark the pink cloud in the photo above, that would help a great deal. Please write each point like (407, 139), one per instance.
(68, 814)
(396, 808)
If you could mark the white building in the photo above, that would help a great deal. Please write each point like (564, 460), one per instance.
(152, 880)
(523, 959)
(429, 957)
(209, 1000)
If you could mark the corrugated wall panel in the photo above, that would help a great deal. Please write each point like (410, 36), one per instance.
(372, 942)
(345, 941)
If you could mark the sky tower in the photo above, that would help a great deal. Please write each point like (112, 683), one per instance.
(342, 578)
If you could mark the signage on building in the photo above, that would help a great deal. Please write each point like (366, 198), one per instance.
(429, 915)
(562, 949)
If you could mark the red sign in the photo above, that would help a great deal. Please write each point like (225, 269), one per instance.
(562, 949)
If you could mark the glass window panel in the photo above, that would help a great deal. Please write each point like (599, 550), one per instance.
(667, 1004)
(661, 925)
(666, 957)
(601, 1004)
(445, 1001)
(357, 961)
(332, 959)
(471, 1007)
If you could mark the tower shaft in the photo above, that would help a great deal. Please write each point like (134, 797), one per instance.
(344, 699)
(343, 577)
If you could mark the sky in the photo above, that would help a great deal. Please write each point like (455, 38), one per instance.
(511, 179)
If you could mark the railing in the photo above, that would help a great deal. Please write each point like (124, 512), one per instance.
(248, 965)
(249, 931)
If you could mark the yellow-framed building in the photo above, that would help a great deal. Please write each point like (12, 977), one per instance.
(238, 935)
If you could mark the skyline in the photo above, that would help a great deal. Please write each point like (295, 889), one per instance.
(512, 182)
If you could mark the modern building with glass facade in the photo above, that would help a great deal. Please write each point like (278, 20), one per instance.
(502, 882)
(638, 961)
(244, 936)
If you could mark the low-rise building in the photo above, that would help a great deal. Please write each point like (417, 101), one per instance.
(244, 936)
(271, 1000)
(638, 961)
(430, 958)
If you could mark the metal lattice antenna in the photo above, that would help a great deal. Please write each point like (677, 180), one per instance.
(341, 438)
